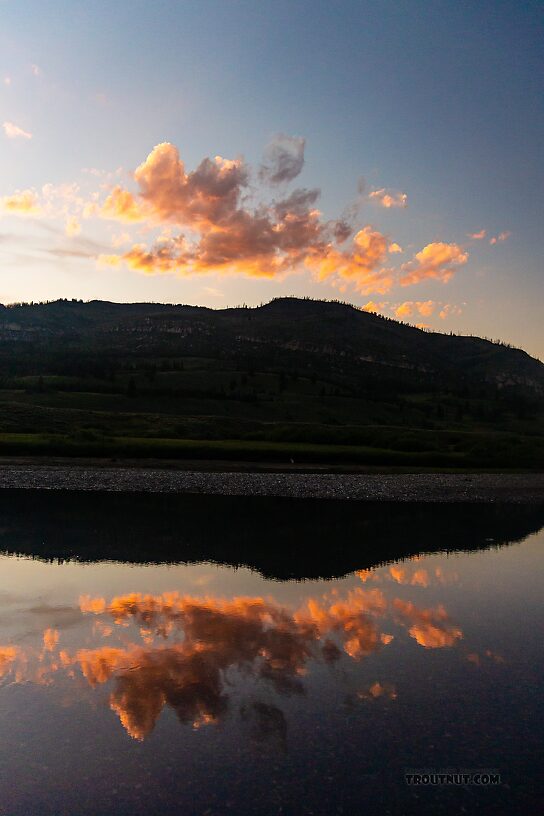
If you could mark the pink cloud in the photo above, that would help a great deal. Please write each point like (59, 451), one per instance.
(502, 236)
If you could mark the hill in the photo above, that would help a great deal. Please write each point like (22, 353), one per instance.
(303, 379)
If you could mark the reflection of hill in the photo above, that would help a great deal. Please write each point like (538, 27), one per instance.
(281, 538)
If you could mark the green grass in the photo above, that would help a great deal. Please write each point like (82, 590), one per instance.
(205, 408)
(91, 444)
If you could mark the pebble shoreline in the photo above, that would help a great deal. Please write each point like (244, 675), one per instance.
(435, 487)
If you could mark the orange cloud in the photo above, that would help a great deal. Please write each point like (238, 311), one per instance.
(374, 307)
(225, 236)
(405, 309)
(120, 205)
(435, 261)
(478, 236)
(13, 131)
(361, 266)
(209, 225)
(388, 199)
(410, 307)
(21, 203)
(232, 240)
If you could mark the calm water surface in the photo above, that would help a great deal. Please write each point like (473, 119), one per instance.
(206, 689)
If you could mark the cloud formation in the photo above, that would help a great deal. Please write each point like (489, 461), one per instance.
(388, 198)
(423, 307)
(221, 233)
(13, 131)
(436, 261)
(216, 220)
(268, 240)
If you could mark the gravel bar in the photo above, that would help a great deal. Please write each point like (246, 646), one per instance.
(525, 488)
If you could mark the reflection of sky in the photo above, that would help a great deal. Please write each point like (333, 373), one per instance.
(168, 636)
(288, 669)
(172, 649)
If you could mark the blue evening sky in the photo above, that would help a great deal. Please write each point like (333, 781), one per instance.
(439, 100)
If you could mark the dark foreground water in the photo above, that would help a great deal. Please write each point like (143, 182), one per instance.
(283, 668)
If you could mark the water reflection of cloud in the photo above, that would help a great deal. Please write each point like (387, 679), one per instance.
(176, 651)
(8, 656)
(50, 638)
(431, 628)
(385, 690)
(405, 574)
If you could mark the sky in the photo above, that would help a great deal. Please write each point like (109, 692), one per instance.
(222, 152)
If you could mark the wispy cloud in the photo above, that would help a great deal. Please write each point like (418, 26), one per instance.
(77, 246)
(478, 236)
(502, 236)
(449, 310)
(213, 292)
(13, 131)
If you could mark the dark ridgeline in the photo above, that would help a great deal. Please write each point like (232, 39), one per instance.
(281, 538)
(292, 371)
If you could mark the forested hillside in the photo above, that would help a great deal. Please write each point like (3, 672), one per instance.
(293, 379)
